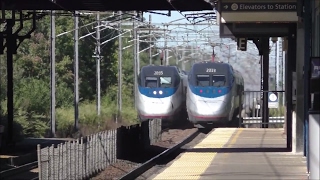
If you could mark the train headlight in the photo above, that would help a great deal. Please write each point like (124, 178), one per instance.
(160, 92)
(154, 92)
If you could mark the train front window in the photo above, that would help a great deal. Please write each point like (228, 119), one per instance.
(203, 80)
(151, 82)
(218, 80)
(165, 82)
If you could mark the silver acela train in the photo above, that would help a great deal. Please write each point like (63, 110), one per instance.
(161, 93)
(213, 93)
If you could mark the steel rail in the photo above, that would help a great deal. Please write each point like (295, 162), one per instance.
(18, 170)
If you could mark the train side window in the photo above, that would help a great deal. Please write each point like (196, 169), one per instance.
(165, 82)
(218, 80)
(151, 82)
(203, 80)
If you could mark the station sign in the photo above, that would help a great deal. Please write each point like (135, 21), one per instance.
(259, 6)
(273, 100)
(242, 44)
(258, 12)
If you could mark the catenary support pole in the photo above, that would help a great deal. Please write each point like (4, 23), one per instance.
(98, 62)
(165, 48)
(76, 70)
(135, 61)
(53, 75)
(150, 39)
(120, 70)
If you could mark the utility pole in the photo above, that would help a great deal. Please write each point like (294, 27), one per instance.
(53, 75)
(150, 39)
(135, 61)
(98, 63)
(120, 71)
(76, 71)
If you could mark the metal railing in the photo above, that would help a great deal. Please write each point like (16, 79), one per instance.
(87, 156)
(252, 112)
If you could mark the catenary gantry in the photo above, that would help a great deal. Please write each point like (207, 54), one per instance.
(104, 5)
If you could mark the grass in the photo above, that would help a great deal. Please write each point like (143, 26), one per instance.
(29, 124)
(90, 122)
(280, 111)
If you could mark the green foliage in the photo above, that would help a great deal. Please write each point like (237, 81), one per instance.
(32, 80)
(280, 111)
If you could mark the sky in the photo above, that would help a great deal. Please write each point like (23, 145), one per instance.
(164, 19)
(243, 61)
(193, 37)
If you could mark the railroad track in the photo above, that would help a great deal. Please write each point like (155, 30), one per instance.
(18, 172)
(150, 163)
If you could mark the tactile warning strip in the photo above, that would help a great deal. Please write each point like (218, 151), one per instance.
(190, 165)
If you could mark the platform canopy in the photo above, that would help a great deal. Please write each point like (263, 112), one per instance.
(106, 5)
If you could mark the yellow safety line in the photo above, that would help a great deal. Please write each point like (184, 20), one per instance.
(190, 165)
(233, 141)
(235, 137)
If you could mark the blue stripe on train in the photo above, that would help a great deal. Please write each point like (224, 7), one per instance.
(149, 92)
(209, 91)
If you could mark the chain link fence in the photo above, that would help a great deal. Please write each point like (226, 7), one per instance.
(85, 157)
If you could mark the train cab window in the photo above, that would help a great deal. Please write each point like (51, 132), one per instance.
(151, 82)
(203, 80)
(165, 82)
(218, 80)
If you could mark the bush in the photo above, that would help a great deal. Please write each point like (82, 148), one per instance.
(280, 111)
(90, 122)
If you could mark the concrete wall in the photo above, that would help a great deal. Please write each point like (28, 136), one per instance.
(298, 109)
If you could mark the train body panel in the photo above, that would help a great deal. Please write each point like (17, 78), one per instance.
(208, 109)
(213, 93)
(161, 93)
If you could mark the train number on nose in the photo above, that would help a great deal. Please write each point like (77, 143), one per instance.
(211, 70)
(158, 73)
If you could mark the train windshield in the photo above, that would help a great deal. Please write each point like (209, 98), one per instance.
(151, 82)
(218, 80)
(165, 82)
(203, 80)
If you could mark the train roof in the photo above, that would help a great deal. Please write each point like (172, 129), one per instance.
(167, 70)
(219, 67)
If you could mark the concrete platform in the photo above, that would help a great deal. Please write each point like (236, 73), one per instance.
(246, 154)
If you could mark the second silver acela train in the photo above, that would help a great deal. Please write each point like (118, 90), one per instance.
(161, 93)
(213, 93)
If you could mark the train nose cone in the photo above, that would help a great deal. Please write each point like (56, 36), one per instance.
(157, 107)
(210, 107)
